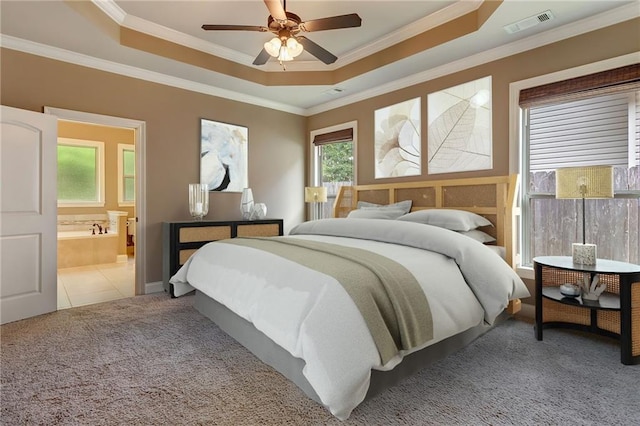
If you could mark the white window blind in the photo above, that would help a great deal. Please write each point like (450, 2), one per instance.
(591, 131)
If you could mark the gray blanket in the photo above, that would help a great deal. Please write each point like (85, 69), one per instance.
(391, 301)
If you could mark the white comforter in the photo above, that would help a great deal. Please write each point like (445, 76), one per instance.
(311, 316)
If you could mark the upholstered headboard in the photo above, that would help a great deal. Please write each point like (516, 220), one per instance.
(491, 197)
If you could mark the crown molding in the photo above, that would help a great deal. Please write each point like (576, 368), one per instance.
(612, 17)
(420, 26)
(615, 16)
(453, 11)
(63, 55)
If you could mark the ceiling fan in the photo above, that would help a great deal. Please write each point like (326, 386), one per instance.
(286, 26)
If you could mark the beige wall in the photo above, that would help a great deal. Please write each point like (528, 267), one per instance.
(172, 117)
(588, 48)
(111, 137)
(278, 141)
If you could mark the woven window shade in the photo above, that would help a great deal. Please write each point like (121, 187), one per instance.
(617, 80)
(344, 135)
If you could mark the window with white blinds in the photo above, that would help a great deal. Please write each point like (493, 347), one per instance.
(587, 120)
(592, 131)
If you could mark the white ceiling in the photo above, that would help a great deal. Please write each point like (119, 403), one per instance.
(54, 29)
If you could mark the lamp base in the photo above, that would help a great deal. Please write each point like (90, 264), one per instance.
(584, 254)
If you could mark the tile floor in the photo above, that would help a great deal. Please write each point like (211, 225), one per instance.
(85, 285)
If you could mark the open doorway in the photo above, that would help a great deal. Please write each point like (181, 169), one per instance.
(100, 246)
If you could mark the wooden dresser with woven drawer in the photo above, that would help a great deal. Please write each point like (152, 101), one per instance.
(181, 239)
(616, 314)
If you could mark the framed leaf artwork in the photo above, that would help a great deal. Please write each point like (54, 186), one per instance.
(459, 136)
(397, 140)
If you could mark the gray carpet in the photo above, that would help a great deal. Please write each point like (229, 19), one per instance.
(154, 360)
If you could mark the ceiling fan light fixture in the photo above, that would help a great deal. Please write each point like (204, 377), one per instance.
(273, 46)
(285, 49)
(285, 54)
(294, 47)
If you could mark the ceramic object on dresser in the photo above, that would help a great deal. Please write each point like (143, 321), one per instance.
(259, 211)
(246, 203)
(198, 200)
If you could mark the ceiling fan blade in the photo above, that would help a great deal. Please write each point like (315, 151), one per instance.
(262, 57)
(332, 23)
(276, 10)
(210, 27)
(316, 50)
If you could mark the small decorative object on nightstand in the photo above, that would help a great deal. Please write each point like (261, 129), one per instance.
(569, 290)
(590, 288)
(584, 182)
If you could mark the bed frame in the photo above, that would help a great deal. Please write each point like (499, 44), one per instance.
(493, 198)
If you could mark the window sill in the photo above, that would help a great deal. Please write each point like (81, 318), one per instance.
(525, 272)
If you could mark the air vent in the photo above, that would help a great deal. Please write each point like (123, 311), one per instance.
(334, 91)
(529, 22)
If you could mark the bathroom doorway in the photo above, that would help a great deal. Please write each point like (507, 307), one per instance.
(100, 254)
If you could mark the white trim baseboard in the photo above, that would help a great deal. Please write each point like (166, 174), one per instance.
(154, 287)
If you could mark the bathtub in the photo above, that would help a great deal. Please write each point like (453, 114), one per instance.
(80, 248)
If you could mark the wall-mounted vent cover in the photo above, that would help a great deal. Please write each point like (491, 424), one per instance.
(334, 91)
(529, 22)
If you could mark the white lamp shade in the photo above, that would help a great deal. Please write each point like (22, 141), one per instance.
(315, 194)
(294, 47)
(584, 182)
(273, 47)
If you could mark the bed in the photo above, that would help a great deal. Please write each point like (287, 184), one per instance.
(348, 306)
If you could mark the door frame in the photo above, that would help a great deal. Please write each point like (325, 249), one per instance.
(139, 128)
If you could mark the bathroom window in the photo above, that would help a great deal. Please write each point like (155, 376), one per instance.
(126, 175)
(80, 173)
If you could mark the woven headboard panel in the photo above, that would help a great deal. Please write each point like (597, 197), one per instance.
(491, 197)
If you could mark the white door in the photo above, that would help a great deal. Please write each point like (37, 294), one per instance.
(28, 211)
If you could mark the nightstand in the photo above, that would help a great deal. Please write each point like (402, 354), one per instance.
(616, 314)
(181, 239)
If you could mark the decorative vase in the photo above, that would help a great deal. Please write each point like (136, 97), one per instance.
(246, 203)
(198, 200)
(259, 211)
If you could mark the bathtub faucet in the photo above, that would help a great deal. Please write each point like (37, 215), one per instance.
(99, 228)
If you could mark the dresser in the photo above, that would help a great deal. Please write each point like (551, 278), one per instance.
(181, 239)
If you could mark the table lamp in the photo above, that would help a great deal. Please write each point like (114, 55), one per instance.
(582, 183)
(315, 195)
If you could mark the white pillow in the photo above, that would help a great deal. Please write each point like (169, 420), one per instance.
(375, 213)
(455, 220)
(405, 205)
(478, 235)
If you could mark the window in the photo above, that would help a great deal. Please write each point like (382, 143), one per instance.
(126, 174)
(596, 125)
(333, 162)
(80, 173)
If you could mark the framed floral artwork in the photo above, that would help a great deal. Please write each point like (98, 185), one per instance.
(397, 140)
(459, 128)
(223, 156)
